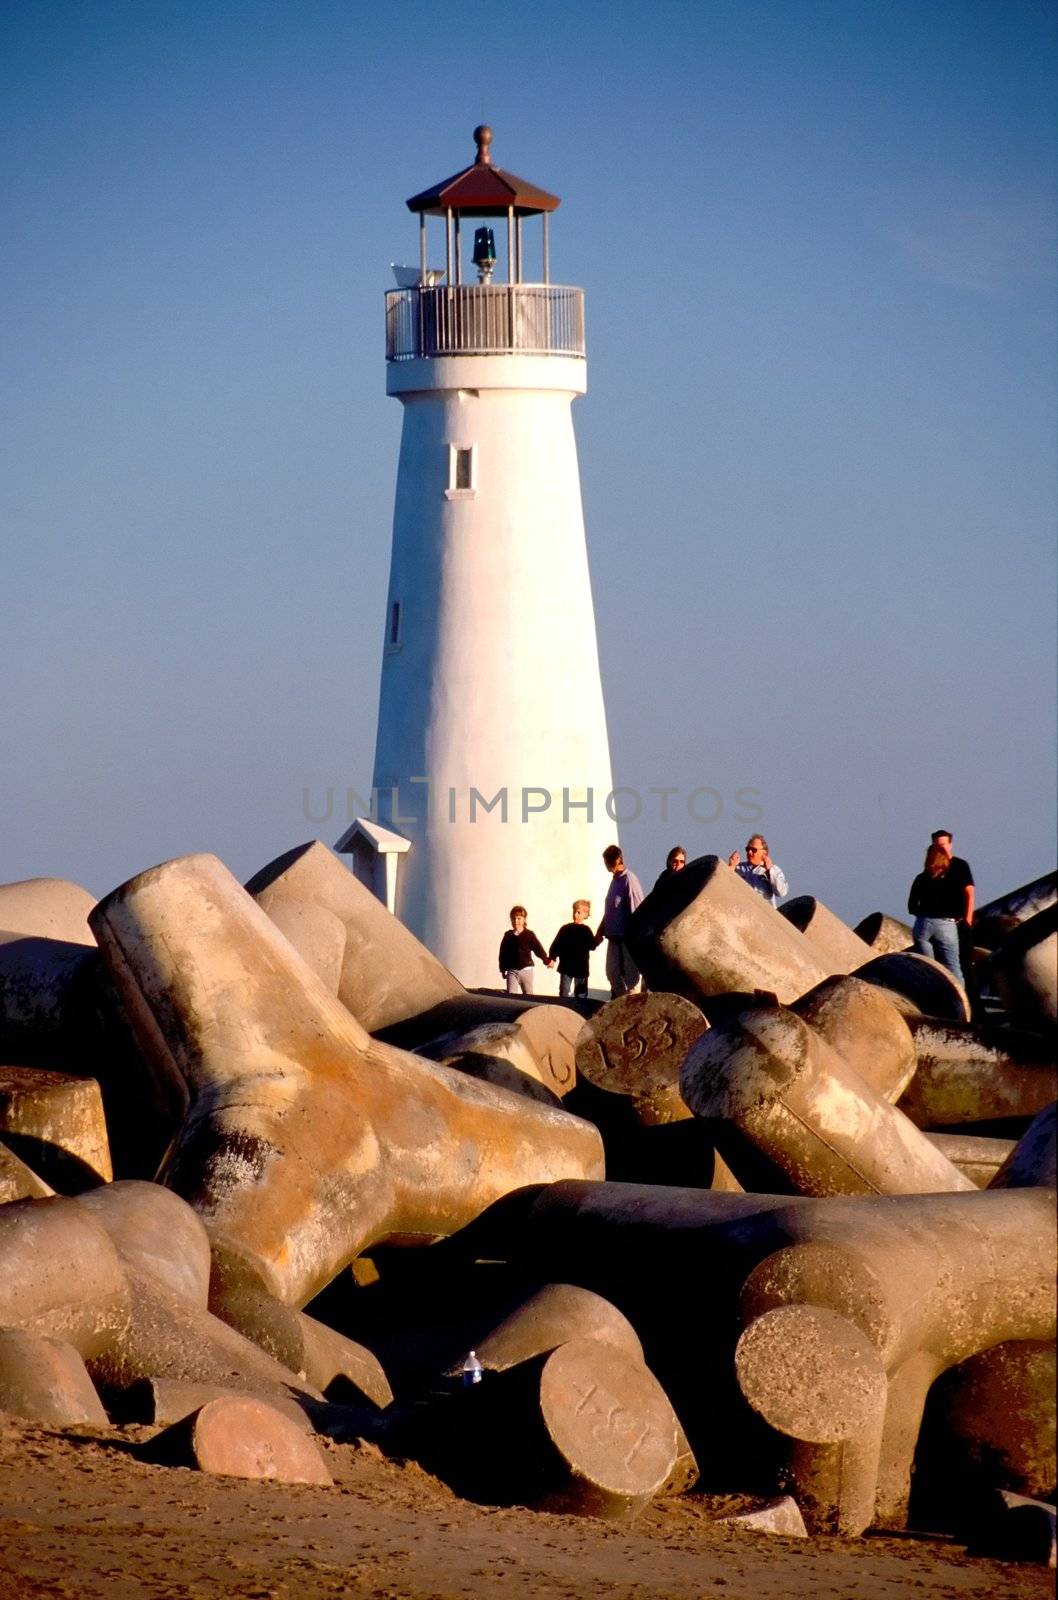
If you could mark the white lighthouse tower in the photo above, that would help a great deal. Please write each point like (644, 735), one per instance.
(492, 764)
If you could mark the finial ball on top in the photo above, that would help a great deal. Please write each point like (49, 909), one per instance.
(483, 138)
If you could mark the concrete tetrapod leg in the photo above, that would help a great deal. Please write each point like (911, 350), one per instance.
(47, 908)
(19, 1182)
(977, 1157)
(918, 985)
(865, 1028)
(239, 1436)
(817, 1379)
(316, 933)
(931, 1279)
(706, 932)
(839, 948)
(306, 1140)
(886, 935)
(815, 1119)
(1032, 1164)
(531, 1053)
(45, 1380)
(989, 1424)
(935, 1281)
(977, 1074)
(1026, 969)
(56, 1125)
(553, 1315)
(585, 1430)
(999, 917)
(635, 1045)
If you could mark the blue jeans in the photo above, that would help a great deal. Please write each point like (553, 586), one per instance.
(939, 937)
(568, 985)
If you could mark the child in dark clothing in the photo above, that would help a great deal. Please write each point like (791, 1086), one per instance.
(572, 947)
(517, 949)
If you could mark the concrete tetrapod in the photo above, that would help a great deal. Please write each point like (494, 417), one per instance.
(63, 1276)
(1032, 1163)
(585, 1430)
(46, 1381)
(815, 1119)
(918, 985)
(56, 1124)
(978, 1073)
(884, 934)
(860, 1022)
(929, 1290)
(931, 1279)
(816, 1378)
(839, 948)
(19, 1182)
(1000, 916)
(239, 1436)
(705, 932)
(635, 1045)
(306, 1140)
(977, 1156)
(989, 1424)
(47, 908)
(392, 984)
(1026, 969)
(533, 1049)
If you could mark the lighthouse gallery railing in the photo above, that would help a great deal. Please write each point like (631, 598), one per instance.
(484, 319)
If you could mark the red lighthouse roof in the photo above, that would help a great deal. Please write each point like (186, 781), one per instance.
(484, 190)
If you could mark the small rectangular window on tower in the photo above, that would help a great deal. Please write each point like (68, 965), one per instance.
(462, 472)
(393, 640)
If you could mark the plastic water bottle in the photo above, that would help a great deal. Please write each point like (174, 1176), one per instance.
(471, 1370)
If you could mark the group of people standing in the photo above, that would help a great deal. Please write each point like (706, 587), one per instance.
(574, 942)
(941, 902)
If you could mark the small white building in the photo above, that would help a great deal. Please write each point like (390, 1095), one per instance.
(492, 759)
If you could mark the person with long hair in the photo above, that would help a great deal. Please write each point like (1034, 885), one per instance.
(942, 897)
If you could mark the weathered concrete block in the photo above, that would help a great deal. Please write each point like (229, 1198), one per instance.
(989, 1424)
(387, 975)
(817, 1379)
(810, 1114)
(931, 1280)
(634, 1046)
(46, 1381)
(1032, 1163)
(919, 986)
(60, 1275)
(977, 1157)
(999, 917)
(47, 908)
(960, 1276)
(534, 1048)
(19, 1182)
(705, 932)
(976, 1073)
(1026, 970)
(306, 1140)
(886, 935)
(585, 1430)
(316, 933)
(781, 1516)
(840, 950)
(555, 1314)
(860, 1022)
(163, 1401)
(239, 1436)
(56, 1125)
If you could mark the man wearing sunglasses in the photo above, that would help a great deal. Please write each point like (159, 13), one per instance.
(760, 871)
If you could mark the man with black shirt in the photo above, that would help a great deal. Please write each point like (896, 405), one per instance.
(942, 902)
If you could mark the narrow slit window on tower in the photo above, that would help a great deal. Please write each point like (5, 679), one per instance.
(393, 630)
(461, 471)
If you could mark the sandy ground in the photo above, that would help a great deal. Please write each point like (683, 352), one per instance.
(81, 1518)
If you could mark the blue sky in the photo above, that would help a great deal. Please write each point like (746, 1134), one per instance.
(817, 452)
